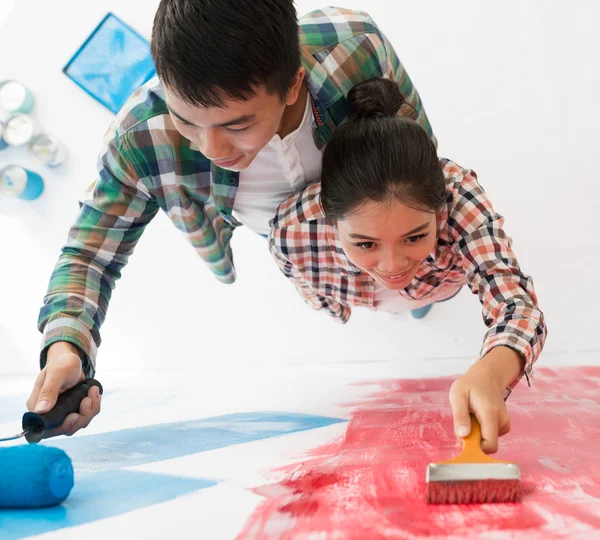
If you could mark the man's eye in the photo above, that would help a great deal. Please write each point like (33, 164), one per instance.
(241, 130)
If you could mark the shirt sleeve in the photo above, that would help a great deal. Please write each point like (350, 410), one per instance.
(393, 69)
(335, 309)
(111, 220)
(510, 305)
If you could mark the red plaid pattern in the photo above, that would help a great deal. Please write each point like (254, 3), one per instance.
(471, 248)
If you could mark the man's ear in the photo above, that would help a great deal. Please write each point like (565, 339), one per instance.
(294, 90)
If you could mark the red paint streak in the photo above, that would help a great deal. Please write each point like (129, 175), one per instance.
(370, 484)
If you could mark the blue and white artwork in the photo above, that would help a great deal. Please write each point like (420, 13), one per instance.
(112, 63)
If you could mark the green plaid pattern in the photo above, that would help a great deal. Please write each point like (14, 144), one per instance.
(146, 165)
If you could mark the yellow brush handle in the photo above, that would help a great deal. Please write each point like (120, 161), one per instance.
(472, 452)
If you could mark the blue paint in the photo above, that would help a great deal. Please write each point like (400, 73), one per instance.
(12, 409)
(104, 489)
(98, 496)
(112, 63)
(148, 444)
(34, 187)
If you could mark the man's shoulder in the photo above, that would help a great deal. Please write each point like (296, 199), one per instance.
(300, 209)
(143, 129)
(327, 27)
(145, 104)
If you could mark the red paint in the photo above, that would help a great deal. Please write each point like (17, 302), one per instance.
(371, 482)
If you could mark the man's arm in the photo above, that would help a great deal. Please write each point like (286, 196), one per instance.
(110, 222)
(393, 69)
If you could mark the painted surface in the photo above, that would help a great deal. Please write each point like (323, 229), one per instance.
(370, 483)
(104, 488)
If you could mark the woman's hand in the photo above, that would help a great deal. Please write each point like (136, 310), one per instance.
(481, 391)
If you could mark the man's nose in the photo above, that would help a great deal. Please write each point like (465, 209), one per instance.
(213, 144)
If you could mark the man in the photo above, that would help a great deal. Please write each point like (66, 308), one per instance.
(246, 98)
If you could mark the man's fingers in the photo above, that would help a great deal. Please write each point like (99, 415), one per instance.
(65, 428)
(33, 398)
(89, 407)
(459, 400)
(49, 392)
(488, 420)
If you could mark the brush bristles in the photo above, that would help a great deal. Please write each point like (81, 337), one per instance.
(474, 492)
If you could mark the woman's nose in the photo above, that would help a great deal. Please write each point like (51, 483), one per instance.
(392, 262)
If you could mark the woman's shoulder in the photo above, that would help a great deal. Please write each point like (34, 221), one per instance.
(468, 206)
(300, 208)
(456, 174)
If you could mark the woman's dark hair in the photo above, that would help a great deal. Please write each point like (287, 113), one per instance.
(375, 155)
(210, 50)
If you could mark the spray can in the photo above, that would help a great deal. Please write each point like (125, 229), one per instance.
(15, 181)
(3, 143)
(48, 149)
(3, 118)
(15, 97)
(19, 129)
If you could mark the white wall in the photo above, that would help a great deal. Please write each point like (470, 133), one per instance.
(512, 92)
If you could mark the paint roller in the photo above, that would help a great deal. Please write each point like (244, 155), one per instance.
(37, 476)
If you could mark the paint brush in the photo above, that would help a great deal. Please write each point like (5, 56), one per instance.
(473, 476)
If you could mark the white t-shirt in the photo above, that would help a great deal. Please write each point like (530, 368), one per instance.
(390, 301)
(283, 167)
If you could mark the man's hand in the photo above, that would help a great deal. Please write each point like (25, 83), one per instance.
(63, 371)
(481, 391)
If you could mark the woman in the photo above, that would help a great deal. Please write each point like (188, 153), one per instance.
(391, 226)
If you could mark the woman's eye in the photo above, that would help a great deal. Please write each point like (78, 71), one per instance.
(415, 239)
(365, 245)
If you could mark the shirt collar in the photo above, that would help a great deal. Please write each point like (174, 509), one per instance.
(331, 234)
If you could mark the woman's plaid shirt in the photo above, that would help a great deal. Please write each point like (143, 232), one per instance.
(471, 247)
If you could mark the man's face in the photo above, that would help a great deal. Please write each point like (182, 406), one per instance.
(232, 135)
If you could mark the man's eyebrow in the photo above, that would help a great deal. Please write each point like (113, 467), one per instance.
(236, 121)
(180, 117)
(245, 119)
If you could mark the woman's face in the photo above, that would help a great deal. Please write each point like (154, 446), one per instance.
(388, 240)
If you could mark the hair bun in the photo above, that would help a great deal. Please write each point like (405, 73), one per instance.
(375, 98)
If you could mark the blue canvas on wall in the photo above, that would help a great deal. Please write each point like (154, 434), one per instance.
(112, 63)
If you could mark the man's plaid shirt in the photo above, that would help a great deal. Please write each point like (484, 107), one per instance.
(471, 247)
(147, 166)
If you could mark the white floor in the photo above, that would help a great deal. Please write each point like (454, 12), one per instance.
(145, 399)
(178, 454)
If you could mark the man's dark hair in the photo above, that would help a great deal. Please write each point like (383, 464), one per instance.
(377, 154)
(209, 50)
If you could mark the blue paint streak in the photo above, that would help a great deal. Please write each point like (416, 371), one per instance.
(98, 496)
(12, 409)
(149, 444)
(103, 489)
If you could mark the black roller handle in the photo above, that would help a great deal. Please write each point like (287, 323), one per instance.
(36, 425)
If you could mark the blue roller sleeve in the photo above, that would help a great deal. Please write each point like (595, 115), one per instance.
(67, 403)
(34, 476)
